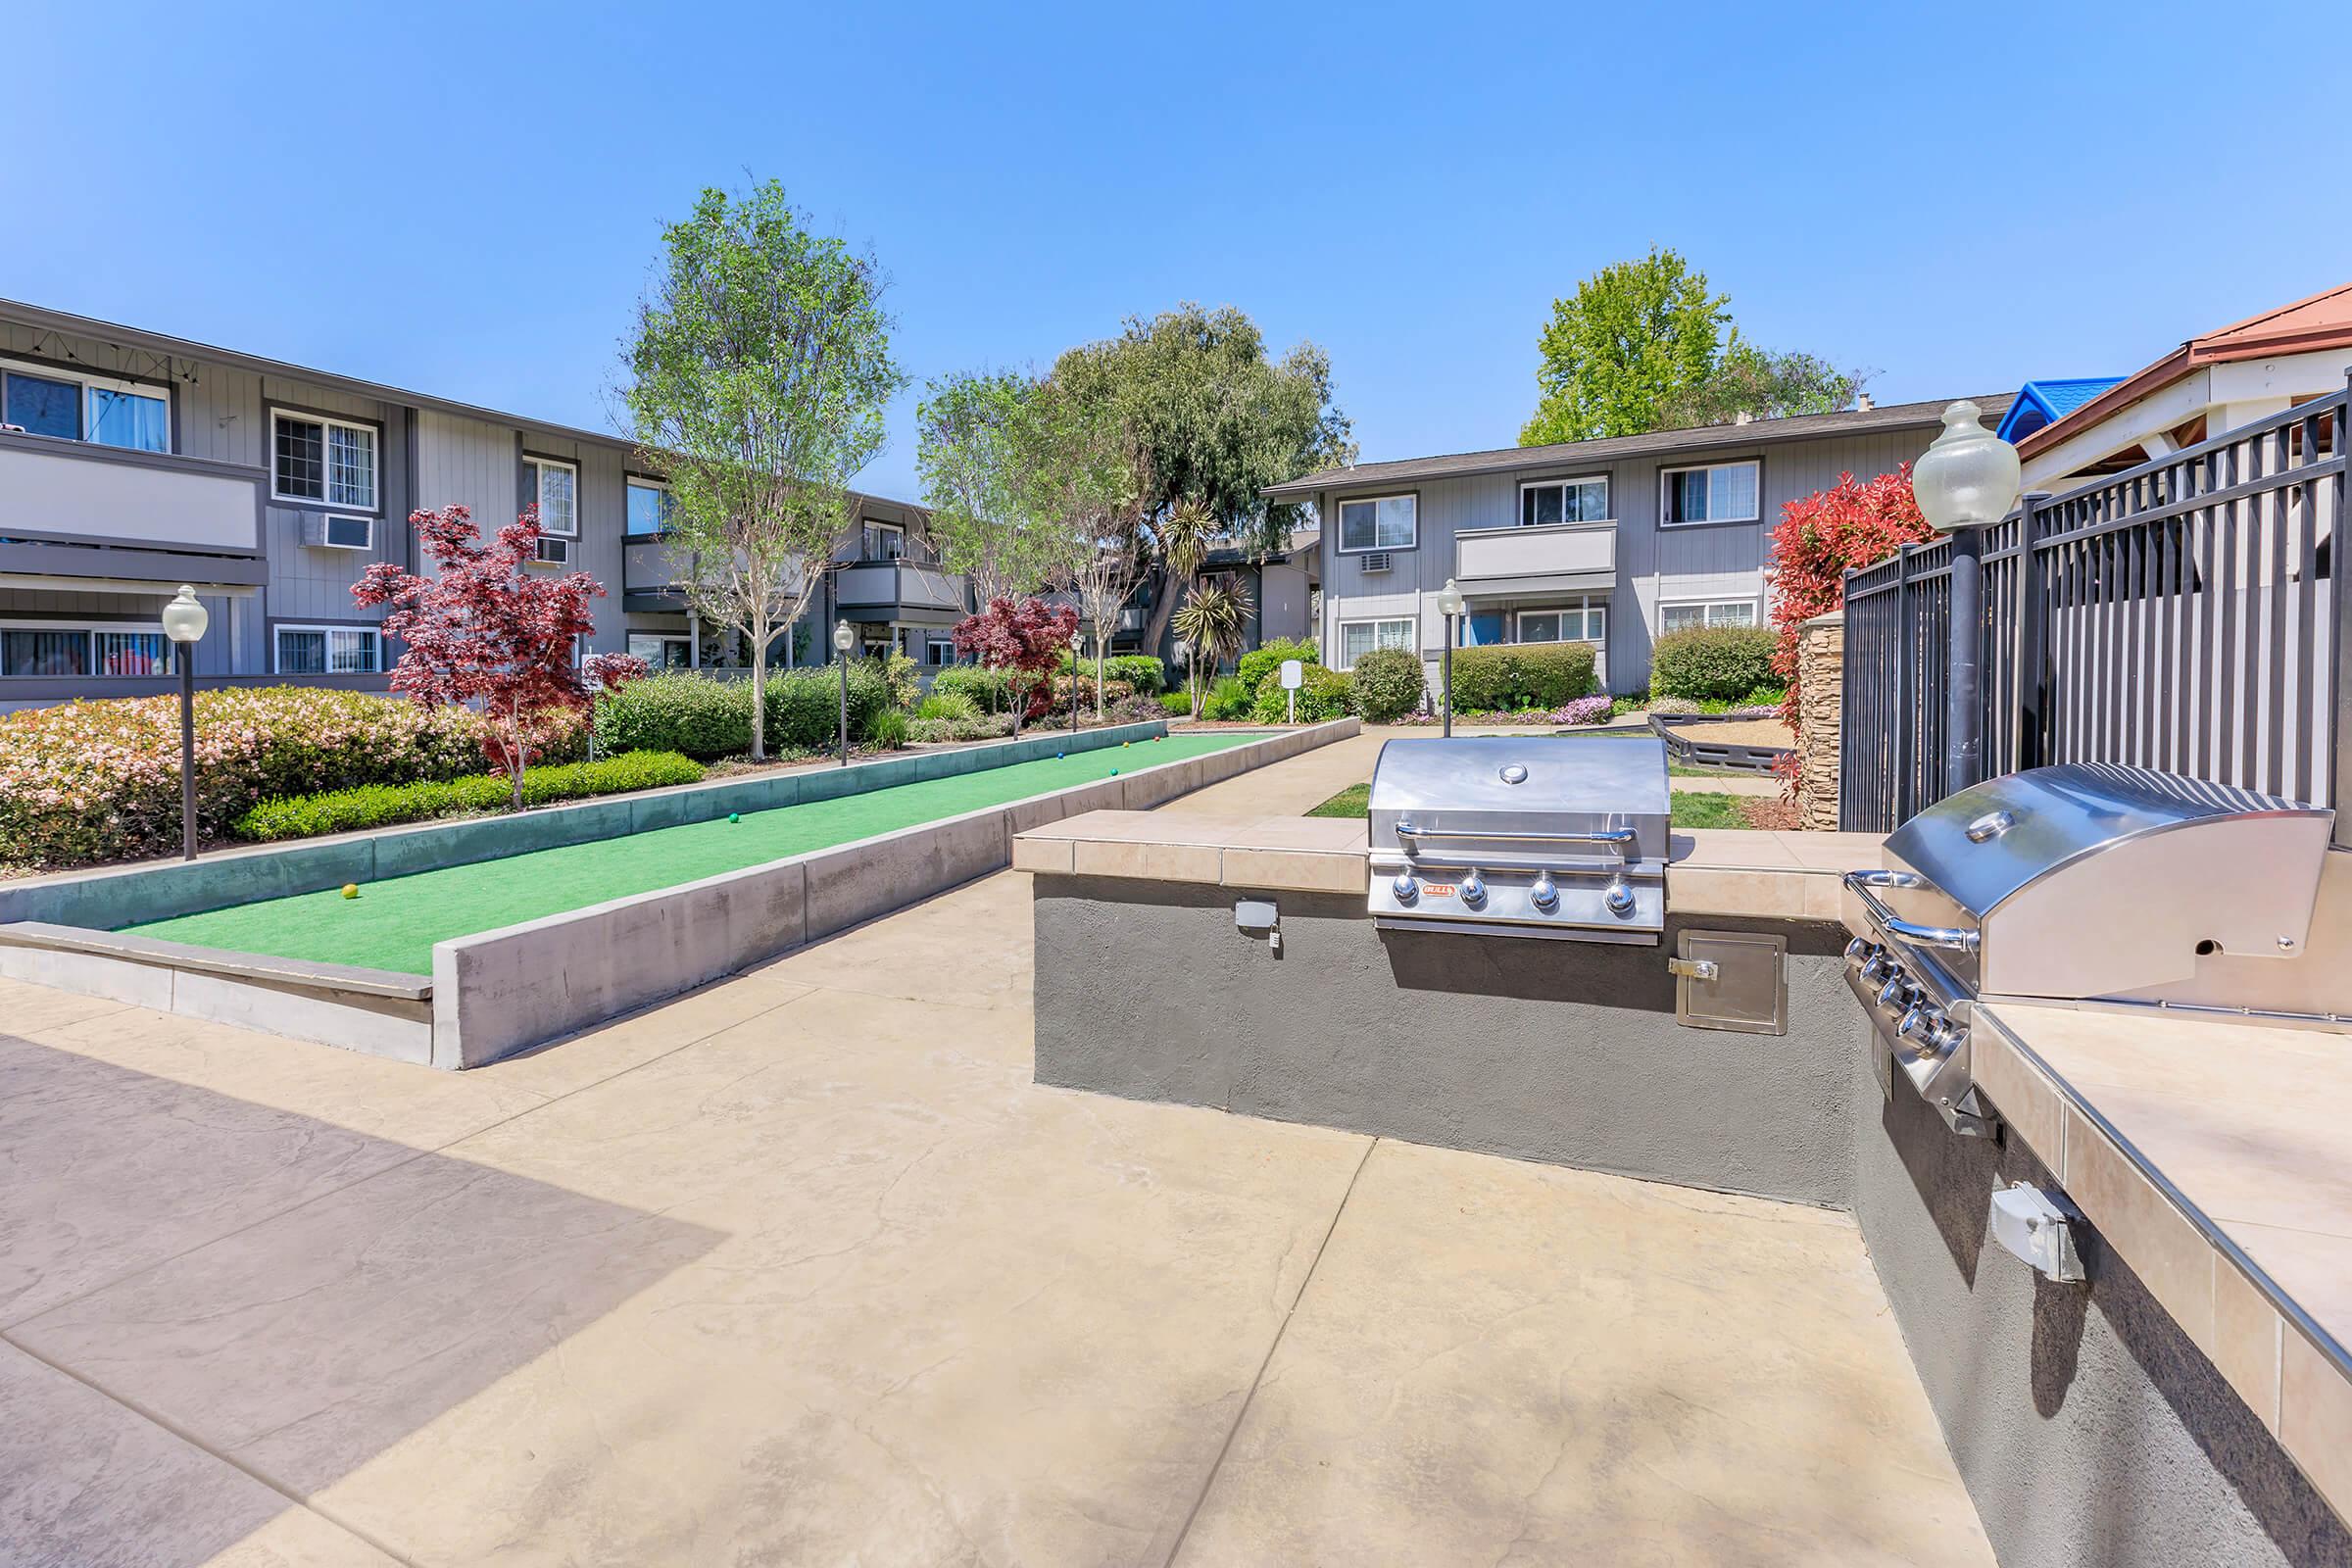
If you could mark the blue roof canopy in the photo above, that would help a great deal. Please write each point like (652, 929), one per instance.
(2040, 403)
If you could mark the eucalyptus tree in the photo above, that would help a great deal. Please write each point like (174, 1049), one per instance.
(758, 372)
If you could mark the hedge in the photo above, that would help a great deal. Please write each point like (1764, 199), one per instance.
(706, 718)
(1327, 694)
(99, 780)
(1722, 663)
(1141, 671)
(1259, 663)
(987, 688)
(1508, 676)
(1388, 684)
(303, 816)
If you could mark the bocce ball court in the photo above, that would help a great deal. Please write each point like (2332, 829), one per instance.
(393, 924)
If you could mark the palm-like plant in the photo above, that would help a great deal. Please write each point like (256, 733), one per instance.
(1211, 622)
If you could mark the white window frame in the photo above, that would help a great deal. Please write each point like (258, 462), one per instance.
(634, 482)
(1707, 609)
(875, 525)
(532, 460)
(277, 647)
(324, 501)
(1666, 490)
(664, 638)
(1340, 520)
(1607, 499)
(1340, 635)
(91, 381)
(89, 630)
(1588, 607)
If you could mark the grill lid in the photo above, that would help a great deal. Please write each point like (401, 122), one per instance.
(1990, 840)
(1494, 783)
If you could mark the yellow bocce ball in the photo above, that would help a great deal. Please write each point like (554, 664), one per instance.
(351, 890)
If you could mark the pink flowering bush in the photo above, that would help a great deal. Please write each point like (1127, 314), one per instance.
(94, 781)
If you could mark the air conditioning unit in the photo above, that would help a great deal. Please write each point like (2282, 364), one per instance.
(1377, 561)
(553, 552)
(326, 531)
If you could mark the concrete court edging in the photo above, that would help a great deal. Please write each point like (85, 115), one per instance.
(500, 992)
(109, 898)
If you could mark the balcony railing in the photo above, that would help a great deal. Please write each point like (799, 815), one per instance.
(898, 590)
(1531, 558)
(75, 509)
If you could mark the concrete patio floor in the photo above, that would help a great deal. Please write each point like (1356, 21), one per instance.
(803, 1269)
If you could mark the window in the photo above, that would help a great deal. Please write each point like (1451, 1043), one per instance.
(322, 459)
(75, 406)
(1359, 637)
(661, 650)
(1585, 620)
(1564, 501)
(1716, 613)
(37, 649)
(553, 487)
(1381, 523)
(329, 649)
(940, 650)
(884, 541)
(648, 505)
(1719, 492)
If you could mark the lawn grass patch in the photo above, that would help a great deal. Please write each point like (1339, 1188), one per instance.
(1356, 800)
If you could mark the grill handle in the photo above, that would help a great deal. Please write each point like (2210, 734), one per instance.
(1860, 883)
(1625, 840)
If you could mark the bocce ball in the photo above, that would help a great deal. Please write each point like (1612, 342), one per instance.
(351, 890)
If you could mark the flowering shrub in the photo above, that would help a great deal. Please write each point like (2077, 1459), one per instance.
(1819, 537)
(100, 780)
(1585, 710)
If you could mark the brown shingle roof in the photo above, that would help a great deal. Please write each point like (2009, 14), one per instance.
(1848, 421)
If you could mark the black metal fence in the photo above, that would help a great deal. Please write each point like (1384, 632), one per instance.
(2178, 615)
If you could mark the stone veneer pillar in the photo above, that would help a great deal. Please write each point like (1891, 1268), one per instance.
(1821, 685)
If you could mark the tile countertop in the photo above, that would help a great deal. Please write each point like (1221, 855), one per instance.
(1713, 871)
(2215, 1158)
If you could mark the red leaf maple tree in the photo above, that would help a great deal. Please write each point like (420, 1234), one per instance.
(1817, 539)
(1025, 637)
(486, 633)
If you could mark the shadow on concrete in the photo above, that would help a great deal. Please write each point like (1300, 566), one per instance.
(290, 1295)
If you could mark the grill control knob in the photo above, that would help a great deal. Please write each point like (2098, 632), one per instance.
(1474, 890)
(1545, 894)
(1406, 888)
(1877, 969)
(1922, 1024)
(1898, 995)
(1859, 950)
(1617, 899)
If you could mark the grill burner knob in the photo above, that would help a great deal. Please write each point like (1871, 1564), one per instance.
(1617, 899)
(1545, 895)
(1860, 949)
(1924, 1023)
(1474, 890)
(1898, 995)
(1877, 969)
(1406, 888)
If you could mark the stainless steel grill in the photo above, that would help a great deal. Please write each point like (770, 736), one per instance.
(2079, 883)
(1529, 835)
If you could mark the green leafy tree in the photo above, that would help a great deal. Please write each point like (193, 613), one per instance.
(1645, 345)
(979, 450)
(758, 372)
(1214, 620)
(1747, 380)
(1634, 335)
(1090, 482)
(1216, 421)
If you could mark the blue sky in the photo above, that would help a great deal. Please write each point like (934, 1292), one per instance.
(466, 199)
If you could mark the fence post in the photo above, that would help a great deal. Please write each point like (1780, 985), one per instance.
(2339, 661)
(1907, 693)
(2032, 642)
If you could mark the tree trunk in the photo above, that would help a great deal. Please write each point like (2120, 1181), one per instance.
(1101, 663)
(760, 686)
(1163, 607)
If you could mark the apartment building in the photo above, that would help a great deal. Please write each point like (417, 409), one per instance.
(1612, 542)
(132, 462)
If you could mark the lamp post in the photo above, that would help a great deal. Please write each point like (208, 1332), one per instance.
(1077, 647)
(185, 621)
(1966, 481)
(841, 647)
(1449, 605)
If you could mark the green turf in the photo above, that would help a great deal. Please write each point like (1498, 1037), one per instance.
(1689, 809)
(394, 924)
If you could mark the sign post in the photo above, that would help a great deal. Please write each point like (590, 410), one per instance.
(1293, 677)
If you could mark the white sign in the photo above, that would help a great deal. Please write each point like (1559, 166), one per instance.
(1294, 674)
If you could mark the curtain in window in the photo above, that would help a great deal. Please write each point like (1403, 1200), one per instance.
(302, 652)
(558, 511)
(1732, 491)
(132, 653)
(1481, 628)
(42, 406)
(44, 653)
(130, 420)
(351, 653)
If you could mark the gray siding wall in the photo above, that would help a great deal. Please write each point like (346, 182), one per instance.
(1654, 565)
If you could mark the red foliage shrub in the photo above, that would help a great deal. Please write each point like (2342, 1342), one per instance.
(1817, 539)
(1026, 638)
(486, 632)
